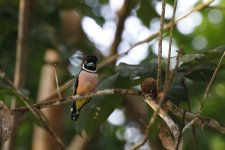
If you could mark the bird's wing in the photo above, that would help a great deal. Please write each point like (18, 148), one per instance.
(76, 85)
(74, 110)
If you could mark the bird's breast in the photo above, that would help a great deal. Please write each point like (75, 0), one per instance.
(87, 82)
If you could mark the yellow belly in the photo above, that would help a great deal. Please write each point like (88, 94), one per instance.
(81, 103)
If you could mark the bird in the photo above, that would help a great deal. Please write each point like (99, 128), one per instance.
(86, 82)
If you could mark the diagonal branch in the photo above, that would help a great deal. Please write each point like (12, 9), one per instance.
(210, 83)
(166, 118)
(206, 92)
(153, 36)
(37, 113)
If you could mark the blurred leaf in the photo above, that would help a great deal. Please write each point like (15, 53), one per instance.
(201, 72)
(178, 91)
(200, 66)
(205, 57)
(146, 11)
(134, 71)
(217, 142)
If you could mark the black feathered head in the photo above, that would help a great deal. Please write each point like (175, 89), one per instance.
(90, 63)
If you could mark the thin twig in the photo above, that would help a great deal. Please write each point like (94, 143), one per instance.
(206, 92)
(189, 125)
(153, 36)
(194, 139)
(170, 44)
(37, 113)
(178, 141)
(171, 76)
(62, 88)
(210, 83)
(57, 82)
(159, 69)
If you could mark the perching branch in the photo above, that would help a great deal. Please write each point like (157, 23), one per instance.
(56, 102)
(167, 105)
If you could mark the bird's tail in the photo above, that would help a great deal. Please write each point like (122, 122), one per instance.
(74, 112)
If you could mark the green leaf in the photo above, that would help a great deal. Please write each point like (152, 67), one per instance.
(134, 71)
(178, 91)
(200, 66)
(205, 57)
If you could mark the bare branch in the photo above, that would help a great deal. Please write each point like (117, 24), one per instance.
(201, 120)
(170, 44)
(62, 88)
(210, 83)
(159, 69)
(57, 102)
(167, 105)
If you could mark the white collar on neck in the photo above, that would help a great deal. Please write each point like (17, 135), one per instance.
(92, 71)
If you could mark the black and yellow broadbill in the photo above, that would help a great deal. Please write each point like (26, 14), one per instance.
(86, 82)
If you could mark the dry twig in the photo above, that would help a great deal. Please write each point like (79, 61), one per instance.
(170, 44)
(159, 69)
(57, 82)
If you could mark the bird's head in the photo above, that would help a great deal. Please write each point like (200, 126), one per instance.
(90, 63)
